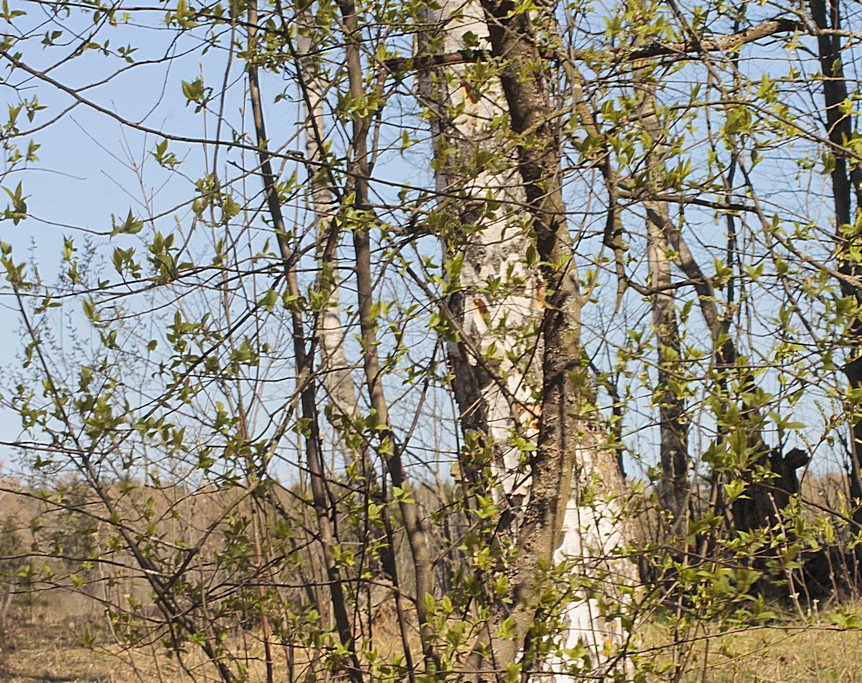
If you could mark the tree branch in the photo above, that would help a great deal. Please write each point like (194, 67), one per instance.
(726, 43)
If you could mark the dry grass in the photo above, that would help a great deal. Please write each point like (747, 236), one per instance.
(47, 651)
(68, 664)
(810, 650)
(792, 652)
(781, 655)
(60, 661)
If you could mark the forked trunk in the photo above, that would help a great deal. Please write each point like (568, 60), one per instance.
(520, 379)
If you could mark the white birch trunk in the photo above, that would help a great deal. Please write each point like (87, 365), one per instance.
(508, 325)
(501, 330)
(591, 540)
(337, 379)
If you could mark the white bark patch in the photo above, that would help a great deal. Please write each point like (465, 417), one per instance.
(591, 540)
(501, 290)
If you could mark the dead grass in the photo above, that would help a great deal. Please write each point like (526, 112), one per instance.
(53, 654)
(795, 651)
(73, 663)
(791, 654)
(63, 665)
(790, 650)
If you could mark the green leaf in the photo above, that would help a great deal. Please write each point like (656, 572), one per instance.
(194, 91)
(131, 226)
(269, 300)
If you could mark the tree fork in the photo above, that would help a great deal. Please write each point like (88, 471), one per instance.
(564, 434)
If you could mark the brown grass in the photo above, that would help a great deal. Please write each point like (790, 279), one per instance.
(810, 650)
(49, 657)
(793, 652)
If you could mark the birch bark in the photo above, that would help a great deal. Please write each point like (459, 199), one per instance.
(518, 363)
(331, 333)
(496, 301)
(335, 371)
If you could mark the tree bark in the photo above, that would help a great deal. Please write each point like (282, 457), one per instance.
(337, 378)
(387, 448)
(675, 487)
(494, 354)
(305, 380)
(846, 181)
(565, 511)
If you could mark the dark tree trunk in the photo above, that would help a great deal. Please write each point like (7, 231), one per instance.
(846, 190)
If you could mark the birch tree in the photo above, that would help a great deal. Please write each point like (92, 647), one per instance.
(517, 307)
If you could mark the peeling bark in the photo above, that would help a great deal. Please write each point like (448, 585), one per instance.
(566, 513)
(494, 393)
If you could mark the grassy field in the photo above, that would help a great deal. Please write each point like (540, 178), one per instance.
(792, 653)
(797, 651)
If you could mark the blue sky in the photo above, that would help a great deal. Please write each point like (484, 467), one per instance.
(82, 176)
